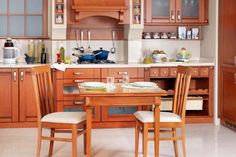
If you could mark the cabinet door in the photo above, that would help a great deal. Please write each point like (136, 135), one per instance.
(227, 95)
(160, 11)
(28, 111)
(9, 95)
(192, 11)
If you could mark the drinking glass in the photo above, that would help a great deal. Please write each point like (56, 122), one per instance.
(110, 82)
(125, 80)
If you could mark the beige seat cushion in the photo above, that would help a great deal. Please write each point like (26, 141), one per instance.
(65, 117)
(147, 117)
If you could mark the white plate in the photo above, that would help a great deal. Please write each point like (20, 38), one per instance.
(144, 84)
(93, 84)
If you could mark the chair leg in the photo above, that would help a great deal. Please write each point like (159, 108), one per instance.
(52, 134)
(74, 141)
(136, 138)
(85, 143)
(39, 140)
(145, 139)
(183, 140)
(175, 142)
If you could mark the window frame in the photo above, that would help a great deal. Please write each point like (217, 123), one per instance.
(25, 15)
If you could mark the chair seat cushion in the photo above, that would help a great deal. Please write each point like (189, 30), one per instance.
(65, 117)
(165, 117)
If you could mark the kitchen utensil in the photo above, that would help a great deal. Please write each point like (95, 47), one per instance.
(101, 54)
(110, 82)
(81, 42)
(29, 59)
(113, 49)
(183, 55)
(10, 53)
(89, 43)
(77, 39)
(87, 57)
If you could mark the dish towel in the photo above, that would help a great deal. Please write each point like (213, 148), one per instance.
(61, 67)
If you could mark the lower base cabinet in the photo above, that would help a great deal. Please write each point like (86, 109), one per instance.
(17, 102)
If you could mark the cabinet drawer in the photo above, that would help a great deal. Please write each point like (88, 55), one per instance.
(203, 72)
(77, 81)
(194, 72)
(119, 72)
(81, 73)
(154, 72)
(164, 72)
(173, 72)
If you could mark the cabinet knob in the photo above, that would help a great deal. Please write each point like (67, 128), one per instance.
(14, 76)
(123, 73)
(172, 15)
(178, 15)
(22, 76)
(78, 81)
(78, 102)
(77, 73)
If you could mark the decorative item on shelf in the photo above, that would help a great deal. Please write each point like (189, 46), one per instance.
(146, 35)
(164, 35)
(159, 56)
(173, 36)
(136, 11)
(182, 32)
(195, 33)
(59, 19)
(183, 55)
(189, 34)
(156, 35)
(59, 12)
(59, 1)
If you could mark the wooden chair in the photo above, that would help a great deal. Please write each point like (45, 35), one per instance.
(57, 122)
(168, 120)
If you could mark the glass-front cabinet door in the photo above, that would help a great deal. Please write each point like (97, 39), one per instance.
(160, 11)
(191, 11)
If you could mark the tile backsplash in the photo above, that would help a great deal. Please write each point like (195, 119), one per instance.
(131, 51)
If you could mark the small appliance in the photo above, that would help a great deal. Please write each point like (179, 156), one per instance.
(10, 53)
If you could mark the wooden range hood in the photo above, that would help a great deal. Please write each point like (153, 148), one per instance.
(109, 8)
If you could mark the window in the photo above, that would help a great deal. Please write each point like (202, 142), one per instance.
(23, 18)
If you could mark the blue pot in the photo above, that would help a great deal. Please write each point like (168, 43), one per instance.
(87, 58)
(101, 54)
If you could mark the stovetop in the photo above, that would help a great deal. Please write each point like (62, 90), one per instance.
(96, 62)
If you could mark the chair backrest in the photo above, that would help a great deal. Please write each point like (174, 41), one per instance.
(43, 88)
(182, 84)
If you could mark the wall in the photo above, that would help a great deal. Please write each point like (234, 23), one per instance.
(209, 47)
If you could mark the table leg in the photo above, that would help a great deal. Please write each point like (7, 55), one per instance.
(157, 126)
(88, 128)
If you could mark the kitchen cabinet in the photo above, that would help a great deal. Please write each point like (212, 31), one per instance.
(227, 68)
(201, 86)
(176, 12)
(9, 95)
(17, 102)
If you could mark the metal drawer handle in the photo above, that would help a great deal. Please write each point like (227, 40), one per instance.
(22, 76)
(14, 76)
(172, 15)
(78, 103)
(122, 73)
(178, 15)
(78, 73)
(119, 80)
(78, 81)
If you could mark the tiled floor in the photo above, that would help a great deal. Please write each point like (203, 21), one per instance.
(201, 141)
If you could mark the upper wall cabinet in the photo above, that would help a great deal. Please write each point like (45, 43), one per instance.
(176, 12)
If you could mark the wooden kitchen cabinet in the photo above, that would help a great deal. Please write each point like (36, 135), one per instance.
(201, 86)
(17, 101)
(9, 95)
(227, 68)
(176, 12)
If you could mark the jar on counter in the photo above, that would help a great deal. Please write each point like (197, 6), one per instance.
(31, 48)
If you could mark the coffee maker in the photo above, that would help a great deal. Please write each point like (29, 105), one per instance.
(10, 53)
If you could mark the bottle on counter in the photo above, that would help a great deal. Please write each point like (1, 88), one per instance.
(58, 58)
(31, 49)
(44, 56)
(62, 52)
(40, 46)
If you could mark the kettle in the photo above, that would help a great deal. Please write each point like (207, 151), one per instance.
(10, 53)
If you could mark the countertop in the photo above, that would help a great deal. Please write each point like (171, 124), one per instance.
(201, 62)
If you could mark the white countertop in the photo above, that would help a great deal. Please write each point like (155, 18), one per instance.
(202, 62)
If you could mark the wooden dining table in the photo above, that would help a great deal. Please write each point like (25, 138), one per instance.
(121, 96)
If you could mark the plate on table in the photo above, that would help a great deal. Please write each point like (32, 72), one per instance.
(144, 84)
(93, 85)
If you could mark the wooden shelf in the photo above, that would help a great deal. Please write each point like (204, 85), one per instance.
(192, 92)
